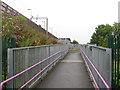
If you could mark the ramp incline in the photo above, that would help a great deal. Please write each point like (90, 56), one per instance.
(69, 73)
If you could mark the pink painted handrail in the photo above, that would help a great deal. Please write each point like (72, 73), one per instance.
(102, 79)
(9, 79)
(39, 73)
(90, 72)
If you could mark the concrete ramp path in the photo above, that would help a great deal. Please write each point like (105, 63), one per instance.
(69, 73)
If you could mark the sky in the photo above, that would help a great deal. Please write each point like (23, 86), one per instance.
(74, 19)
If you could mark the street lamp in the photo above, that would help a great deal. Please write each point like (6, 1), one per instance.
(119, 11)
(42, 18)
(45, 20)
(31, 14)
(44, 24)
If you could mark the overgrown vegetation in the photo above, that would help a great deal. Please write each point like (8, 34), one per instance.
(15, 26)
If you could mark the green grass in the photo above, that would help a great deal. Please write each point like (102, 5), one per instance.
(74, 51)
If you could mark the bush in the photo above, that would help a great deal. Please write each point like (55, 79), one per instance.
(15, 26)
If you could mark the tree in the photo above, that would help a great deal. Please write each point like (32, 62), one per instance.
(74, 42)
(116, 27)
(101, 34)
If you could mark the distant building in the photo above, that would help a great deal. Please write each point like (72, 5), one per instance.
(64, 40)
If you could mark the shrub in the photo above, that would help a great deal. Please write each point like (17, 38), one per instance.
(15, 26)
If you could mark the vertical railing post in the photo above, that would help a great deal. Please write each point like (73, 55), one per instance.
(118, 61)
(0, 58)
(0, 43)
(10, 67)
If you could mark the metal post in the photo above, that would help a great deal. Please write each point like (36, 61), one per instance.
(0, 44)
(47, 26)
(44, 24)
(10, 67)
(31, 17)
(0, 58)
(119, 11)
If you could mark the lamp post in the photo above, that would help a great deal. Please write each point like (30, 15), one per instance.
(44, 24)
(45, 27)
(0, 58)
(31, 14)
(119, 11)
(41, 18)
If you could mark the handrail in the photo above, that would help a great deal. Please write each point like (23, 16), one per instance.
(9, 79)
(39, 73)
(90, 72)
(102, 79)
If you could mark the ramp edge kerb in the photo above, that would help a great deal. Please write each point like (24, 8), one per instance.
(102, 79)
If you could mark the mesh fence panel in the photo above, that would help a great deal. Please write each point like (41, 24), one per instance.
(101, 58)
(20, 59)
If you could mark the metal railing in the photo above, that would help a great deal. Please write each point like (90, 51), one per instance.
(98, 61)
(29, 64)
(114, 44)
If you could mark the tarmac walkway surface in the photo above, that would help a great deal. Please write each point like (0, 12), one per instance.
(69, 73)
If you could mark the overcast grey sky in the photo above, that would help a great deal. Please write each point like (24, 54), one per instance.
(75, 19)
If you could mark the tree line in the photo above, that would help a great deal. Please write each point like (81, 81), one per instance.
(102, 33)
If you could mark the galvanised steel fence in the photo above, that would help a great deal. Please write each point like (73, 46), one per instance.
(98, 61)
(29, 64)
(114, 43)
